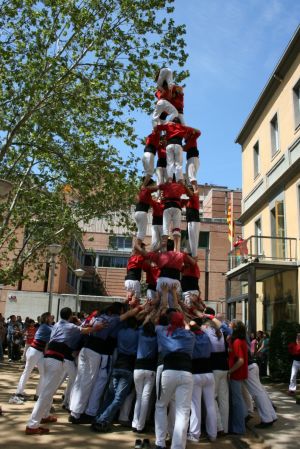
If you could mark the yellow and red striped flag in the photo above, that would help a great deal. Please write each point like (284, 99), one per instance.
(230, 221)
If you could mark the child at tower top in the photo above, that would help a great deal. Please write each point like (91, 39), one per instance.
(168, 92)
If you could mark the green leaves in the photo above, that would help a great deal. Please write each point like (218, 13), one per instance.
(72, 76)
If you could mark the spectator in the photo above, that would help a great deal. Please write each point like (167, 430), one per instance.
(3, 331)
(294, 350)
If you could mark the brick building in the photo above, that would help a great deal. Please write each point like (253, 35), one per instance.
(103, 254)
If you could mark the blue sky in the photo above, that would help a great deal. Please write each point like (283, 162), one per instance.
(233, 46)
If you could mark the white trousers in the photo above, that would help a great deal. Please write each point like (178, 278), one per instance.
(165, 74)
(141, 219)
(192, 167)
(33, 358)
(156, 235)
(172, 215)
(51, 381)
(171, 408)
(87, 372)
(148, 163)
(161, 175)
(99, 385)
(174, 161)
(293, 379)
(144, 382)
(204, 386)
(178, 384)
(69, 373)
(160, 107)
(133, 286)
(193, 233)
(222, 399)
(256, 389)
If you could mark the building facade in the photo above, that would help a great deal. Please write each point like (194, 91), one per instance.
(268, 283)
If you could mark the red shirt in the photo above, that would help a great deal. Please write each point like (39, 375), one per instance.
(191, 140)
(191, 270)
(161, 152)
(238, 349)
(29, 334)
(174, 95)
(152, 273)
(153, 139)
(168, 259)
(294, 349)
(145, 196)
(175, 130)
(172, 190)
(193, 202)
(157, 208)
(135, 261)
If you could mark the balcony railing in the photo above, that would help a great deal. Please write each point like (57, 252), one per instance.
(263, 248)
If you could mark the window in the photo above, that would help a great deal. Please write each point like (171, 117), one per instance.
(256, 159)
(296, 98)
(71, 278)
(120, 243)
(112, 261)
(258, 240)
(277, 230)
(274, 135)
(89, 260)
(203, 239)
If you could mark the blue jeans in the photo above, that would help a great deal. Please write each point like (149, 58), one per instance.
(238, 409)
(121, 384)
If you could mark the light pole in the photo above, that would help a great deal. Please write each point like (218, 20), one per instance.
(79, 274)
(53, 249)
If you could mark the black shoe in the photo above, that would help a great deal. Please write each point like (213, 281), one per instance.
(138, 444)
(159, 447)
(264, 425)
(22, 396)
(101, 427)
(146, 443)
(143, 430)
(86, 419)
(125, 423)
(133, 429)
(74, 420)
(35, 397)
(248, 417)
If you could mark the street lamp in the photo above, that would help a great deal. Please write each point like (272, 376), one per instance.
(79, 273)
(5, 188)
(53, 249)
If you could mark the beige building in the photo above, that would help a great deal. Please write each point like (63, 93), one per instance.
(264, 279)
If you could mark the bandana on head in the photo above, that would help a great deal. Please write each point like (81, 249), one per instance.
(176, 321)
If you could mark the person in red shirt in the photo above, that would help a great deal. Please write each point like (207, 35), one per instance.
(29, 337)
(133, 275)
(175, 132)
(192, 206)
(294, 350)
(237, 373)
(170, 264)
(157, 223)
(190, 284)
(172, 192)
(161, 164)
(192, 157)
(152, 273)
(168, 92)
(142, 207)
(152, 144)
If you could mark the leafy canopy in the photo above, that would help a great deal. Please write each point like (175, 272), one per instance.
(72, 75)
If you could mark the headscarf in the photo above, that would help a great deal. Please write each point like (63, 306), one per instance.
(176, 321)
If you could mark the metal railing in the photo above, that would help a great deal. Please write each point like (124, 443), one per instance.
(263, 248)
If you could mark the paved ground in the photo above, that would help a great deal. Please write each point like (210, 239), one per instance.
(284, 434)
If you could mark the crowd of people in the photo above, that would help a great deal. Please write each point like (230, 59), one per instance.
(169, 360)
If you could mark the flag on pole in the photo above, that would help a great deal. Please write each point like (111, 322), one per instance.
(230, 221)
